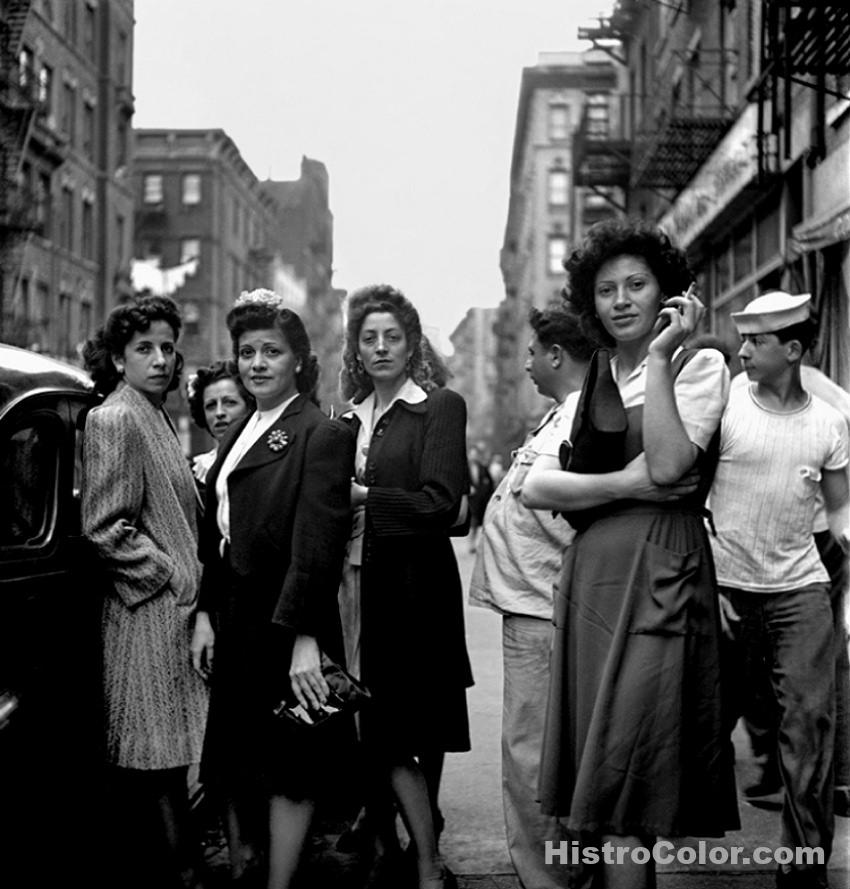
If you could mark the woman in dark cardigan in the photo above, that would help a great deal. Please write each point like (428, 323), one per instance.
(272, 543)
(410, 476)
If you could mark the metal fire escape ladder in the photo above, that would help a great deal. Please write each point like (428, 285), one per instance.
(802, 43)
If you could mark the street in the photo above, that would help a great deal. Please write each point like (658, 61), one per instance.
(474, 841)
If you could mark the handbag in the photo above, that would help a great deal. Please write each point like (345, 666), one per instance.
(598, 433)
(346, 695)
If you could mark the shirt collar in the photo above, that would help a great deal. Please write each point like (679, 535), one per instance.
(272, 415)
(409, 392)
(638, 368)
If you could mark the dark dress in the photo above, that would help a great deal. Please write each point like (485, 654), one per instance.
(634, 741)
(414, 658)
(289, 520)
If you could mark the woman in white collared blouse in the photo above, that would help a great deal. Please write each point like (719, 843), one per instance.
(410, 477)
(272, 542)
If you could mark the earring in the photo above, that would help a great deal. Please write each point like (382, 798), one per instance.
(358, 363)
(298, 368)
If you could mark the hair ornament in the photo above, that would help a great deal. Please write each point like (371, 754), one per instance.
(260, 297)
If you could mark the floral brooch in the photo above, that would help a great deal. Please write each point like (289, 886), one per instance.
(277, 440)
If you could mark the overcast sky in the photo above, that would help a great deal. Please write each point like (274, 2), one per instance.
(411, 105)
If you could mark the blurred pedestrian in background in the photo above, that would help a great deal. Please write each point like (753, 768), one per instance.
(272, 542)
(480, 491)
(496, 468)
(520, 552)
(217, 398)
(634, 745)
(402, 592)
(139, 508)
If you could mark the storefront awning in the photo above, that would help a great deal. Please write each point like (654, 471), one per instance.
(815, 234)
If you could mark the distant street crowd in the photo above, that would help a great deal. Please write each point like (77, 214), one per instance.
(667, 548)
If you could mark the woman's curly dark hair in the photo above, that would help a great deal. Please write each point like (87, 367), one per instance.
(621, 237)
(426, 368)
(122, 323)
(262, 315)
(206, 376)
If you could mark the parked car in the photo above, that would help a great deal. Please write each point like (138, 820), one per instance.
(51, 773)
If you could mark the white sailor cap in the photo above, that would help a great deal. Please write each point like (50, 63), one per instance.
(772, 311)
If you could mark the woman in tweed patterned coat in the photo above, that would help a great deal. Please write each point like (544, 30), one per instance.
(139, 511)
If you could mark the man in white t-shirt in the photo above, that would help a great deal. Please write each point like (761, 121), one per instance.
(518, 562)
(761, 723)
(779, 446)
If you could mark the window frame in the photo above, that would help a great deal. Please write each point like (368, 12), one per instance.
(195, 193)
(52, 433)
(153, 197)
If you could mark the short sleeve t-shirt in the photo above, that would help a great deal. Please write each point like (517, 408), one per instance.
(765, 491)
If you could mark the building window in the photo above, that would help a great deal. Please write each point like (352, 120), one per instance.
(66, 235)
(71, 21)
(120, 234)
(26, 72)
(152, 189)
(64, 338)
(559, 187)
(89, 30)
(88, 130)
(43, 209)
(69, 112)
(235, 281)
(557, 254)
(236, 219)
(42, 303)
(45, 88)
(23, 307)
(121, 60)
(559, 121)
(598, 116)
(192, 188)
(598, 198)
(121, 143)
(88, 230)
(28, 461)
(85, 322)
(190, 248)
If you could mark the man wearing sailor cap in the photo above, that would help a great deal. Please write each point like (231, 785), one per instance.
(779, 446)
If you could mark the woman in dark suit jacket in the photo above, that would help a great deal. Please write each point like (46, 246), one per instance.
(272, 542)
(410, 476)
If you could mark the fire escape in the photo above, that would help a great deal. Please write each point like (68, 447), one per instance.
(675, 120)
(805, 44)
(18, 106)
(19, 212)
(602, 152)
(683, 120)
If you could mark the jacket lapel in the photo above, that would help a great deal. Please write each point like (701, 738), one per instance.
(275, 443)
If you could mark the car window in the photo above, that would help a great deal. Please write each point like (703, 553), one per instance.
(28, 460)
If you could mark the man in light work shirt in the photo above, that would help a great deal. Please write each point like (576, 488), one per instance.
(518, 562)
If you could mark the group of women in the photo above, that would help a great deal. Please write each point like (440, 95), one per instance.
(222, 606)
(330, 538)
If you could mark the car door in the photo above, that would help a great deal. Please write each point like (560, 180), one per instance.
(50, 598)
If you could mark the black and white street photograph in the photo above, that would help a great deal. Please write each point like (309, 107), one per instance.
(425, 444)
